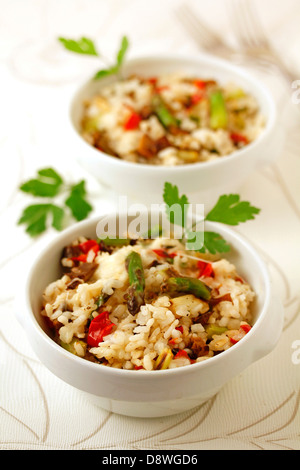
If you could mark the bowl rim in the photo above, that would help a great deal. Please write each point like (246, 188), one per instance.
(199, 58)
(147, 375)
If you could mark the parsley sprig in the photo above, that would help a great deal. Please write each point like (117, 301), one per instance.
(229, 210)
(49, 184)
(86, 46)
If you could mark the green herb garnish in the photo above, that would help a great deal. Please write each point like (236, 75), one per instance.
(48, 184)
(87, 46)
(82, 46)
(231, 211)
(77, 202)
(228, 210)
(172, 199)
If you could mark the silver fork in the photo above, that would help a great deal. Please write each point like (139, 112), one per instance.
(204, 37)
(251, 35)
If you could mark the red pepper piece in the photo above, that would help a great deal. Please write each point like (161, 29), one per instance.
(162, 88)
(86, 246)
(200, 84)
(152, 80)
(233, 340)
(196, 98)
(179, 328)
(181, 353)
(173, 341)
(246, 327)
(100, 326)
(206, 269)
(132, 122)
(164, 254)
(82, 258)
(239, 138)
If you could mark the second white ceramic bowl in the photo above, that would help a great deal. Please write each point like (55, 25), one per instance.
(151, 393)
(203, 182)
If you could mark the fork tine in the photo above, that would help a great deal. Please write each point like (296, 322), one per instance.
(236, 23)
(200, 32)
(255, 22)
(189, 24)
(247, 24)
(201, 25)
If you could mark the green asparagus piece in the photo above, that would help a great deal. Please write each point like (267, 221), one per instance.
(114, 241)
(163, 360)
(214, 330)
(218, 112)
(71, 346)
(163, 114)
(189, 285)
(135, 292)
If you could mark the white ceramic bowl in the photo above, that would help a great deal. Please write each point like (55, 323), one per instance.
(203, 182)
(151, 393)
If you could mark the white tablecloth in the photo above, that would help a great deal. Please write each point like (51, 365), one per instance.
(259, 409)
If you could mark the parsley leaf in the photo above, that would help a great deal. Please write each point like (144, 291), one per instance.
(79, 206)
(82, 46)
(122, 51)
(228, 210)
(36, 216)
(176, 209)
(214, 243)
(114, 69)
(105, 72)
(86, 46)
(231, 211)
(47, 184)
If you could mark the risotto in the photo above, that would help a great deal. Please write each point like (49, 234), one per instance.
(170, 120)
(146, 304)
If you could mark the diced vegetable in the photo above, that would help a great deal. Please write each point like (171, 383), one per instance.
(164, 359)
(181, 353)
(90, 125)
(239, 138)
(88, 245)
(135, 292)
(164, 254)
(147, 147)
(196, 98)
(100, 327)
(87, 248)
(246, 327)
(218, 111)
(205, 269)
(132, 121)
(201, 84)
(188, 156)
(152, 80)
(235, 94)
(212, 330)
(114, 241)
(162, 112)
(76, 347)
(189, 285)
(101, 300)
